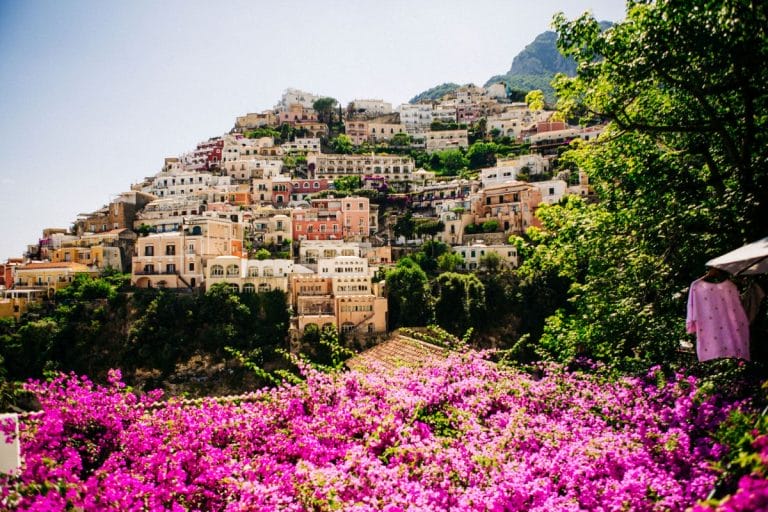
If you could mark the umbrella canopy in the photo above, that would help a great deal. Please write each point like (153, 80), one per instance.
(749, 259)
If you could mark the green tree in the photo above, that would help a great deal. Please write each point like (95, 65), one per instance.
(482, 154)
(680, 177)
(459, 301)
(449, 262)
(347, 183)
(429, 227)
(490, 262)
(325, 108)
(342, 144)
(535, 99)
(408, 295)
(450, 161)
(490, 226)
(263, 132)
(263, 254)
(401, 140)
(428, 256)
(405, 226)
(690, 78)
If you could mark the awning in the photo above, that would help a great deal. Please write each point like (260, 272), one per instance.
(747, 260)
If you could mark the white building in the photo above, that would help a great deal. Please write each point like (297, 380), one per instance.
(372, 107)
(302, 145)
(248, 276)
(180, 183)
(473, 254)
(296, 97)
(167, 214)
(446, 139)
(552, 191)
(416, 118)
(445, 112)
(311, 251)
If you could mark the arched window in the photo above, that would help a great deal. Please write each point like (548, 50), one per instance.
(234, 287)
(249, 288)
(263, 287)
(217, 270)
(253, 272)
(233, 270)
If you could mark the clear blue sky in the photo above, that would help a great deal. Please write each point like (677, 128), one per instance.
(94, 94)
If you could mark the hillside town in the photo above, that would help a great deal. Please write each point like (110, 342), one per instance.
(314, 199)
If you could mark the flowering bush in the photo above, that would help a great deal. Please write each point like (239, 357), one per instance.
(749, 462)
(463, 435)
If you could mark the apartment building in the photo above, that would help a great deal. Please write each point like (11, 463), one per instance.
(512, 204)
(395, 169)
(474, 254)
(331, 218)
(120, 213)
(176, 260)
(446, 139)
(167, 214)
(47, 276)
(341, 294)
(243, 275)
(416, 118)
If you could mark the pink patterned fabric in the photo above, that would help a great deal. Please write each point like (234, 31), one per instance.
(717, 317)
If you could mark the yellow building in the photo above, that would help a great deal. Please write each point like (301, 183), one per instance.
(49, 277)
(15, 302)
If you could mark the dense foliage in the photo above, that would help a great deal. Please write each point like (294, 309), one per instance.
(461, 434)
(680, 174)
(95, 324)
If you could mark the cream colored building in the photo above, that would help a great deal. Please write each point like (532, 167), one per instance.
(180, 183)
(473, 254)
(311, 251)
(176, 260)
(302, 145)
(15, 302)
(269, 226)
(248, 276)
(446, 139)
(341, 294)
(251, 121)
(97, 257)
(416, 118)
(552, 191)
(392, 167)
(49, 277)
(168, 214)
(371, 107)
(383, 132)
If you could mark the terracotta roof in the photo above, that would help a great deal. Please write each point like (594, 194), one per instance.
(395, 353)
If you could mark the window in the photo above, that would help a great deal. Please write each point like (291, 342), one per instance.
(149, 250)
(233, 270)
(149, 269)
(217, 270)
(249, 288)
(191, 267)
(170, 268)
(170, 250)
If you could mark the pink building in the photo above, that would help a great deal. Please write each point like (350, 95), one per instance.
(333, 219)
(297, 113)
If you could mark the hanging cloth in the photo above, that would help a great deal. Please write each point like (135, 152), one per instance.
(717, 317)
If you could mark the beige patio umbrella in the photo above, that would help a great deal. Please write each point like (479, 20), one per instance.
(747, 260)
